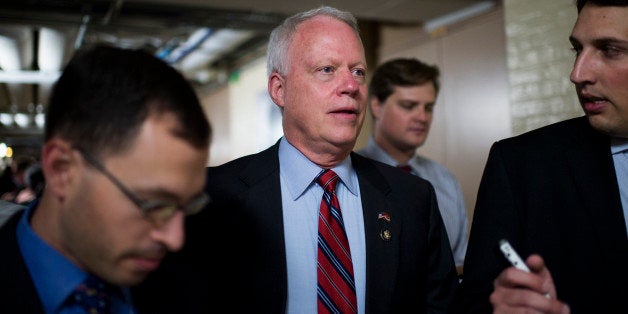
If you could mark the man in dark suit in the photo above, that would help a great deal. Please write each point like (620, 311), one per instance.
(126, 146)
(559, 194)
(254, 249)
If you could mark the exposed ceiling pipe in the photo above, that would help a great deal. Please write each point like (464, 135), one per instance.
(198, 64)
(28, 77)
(113, 11)
(35, 67)
(195, 40)
(52, 46)
(81, 32)
(9, 50)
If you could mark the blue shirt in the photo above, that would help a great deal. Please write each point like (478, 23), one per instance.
(448, 195)
(301, 199)
(619, 149)
(53, 275)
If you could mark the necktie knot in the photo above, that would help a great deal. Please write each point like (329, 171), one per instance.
(405, 168)
(328, 180)
(93, 295)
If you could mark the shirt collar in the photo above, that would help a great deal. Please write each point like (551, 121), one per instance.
(619, 145)
(300, 171)
(381, 154)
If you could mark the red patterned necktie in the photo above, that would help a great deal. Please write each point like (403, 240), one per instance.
(336, 287)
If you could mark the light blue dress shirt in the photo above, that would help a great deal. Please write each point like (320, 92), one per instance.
(301, 198)
(448, 195)
(53, 275)
(619, 148)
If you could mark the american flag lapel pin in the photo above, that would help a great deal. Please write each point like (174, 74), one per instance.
(383, 215)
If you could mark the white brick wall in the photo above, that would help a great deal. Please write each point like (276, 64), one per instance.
(539, 59)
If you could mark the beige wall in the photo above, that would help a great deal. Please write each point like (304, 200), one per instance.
(216, 105)
(243, 117)
(503, 73)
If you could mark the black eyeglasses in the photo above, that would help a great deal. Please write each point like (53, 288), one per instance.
(157, 211)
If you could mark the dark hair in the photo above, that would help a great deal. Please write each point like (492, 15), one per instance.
(105, 94)
(618, 3)
(401, 72)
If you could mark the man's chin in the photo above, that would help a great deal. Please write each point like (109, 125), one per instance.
(416, 142)
(608, 126)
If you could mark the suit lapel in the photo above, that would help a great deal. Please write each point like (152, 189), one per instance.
(594, 175)
(261, 176)
(263, 191)
(381, 235)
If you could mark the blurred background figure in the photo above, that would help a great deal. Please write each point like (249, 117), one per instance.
(34, 183)
(402, 96)
(17, 173)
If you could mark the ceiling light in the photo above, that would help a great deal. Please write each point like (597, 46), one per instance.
(29, 77)
(457, 16)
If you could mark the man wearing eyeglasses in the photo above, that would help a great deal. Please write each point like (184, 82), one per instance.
(126, 145)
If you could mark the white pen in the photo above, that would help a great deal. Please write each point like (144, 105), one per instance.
(514, 258)
(512, 255)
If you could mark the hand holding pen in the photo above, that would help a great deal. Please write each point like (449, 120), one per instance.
(525, 286)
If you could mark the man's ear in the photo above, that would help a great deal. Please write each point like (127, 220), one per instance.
(58, 161)
(276, 88)
(376, 107)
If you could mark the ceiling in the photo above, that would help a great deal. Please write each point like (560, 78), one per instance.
(202, 38)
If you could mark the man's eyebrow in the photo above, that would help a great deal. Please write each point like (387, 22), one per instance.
(602, 41)
(609, 40)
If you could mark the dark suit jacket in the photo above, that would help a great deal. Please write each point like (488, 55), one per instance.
(17, 291)
(552, 191)
(236, 245)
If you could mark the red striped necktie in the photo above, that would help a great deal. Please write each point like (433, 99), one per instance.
(336, 287)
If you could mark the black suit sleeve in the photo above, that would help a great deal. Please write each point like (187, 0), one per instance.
(494, 218)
